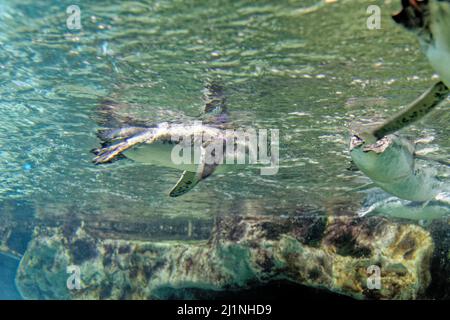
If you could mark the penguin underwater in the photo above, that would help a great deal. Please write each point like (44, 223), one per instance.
(386, 158)
(206, 143)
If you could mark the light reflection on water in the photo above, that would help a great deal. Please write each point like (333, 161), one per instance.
(282, 66)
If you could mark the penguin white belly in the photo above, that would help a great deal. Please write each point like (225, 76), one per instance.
(161, 154)
(414, 188)
(164, 155)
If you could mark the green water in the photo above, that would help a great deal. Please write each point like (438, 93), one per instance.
(307, 69)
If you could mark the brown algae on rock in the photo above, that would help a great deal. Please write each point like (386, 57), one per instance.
(333, 253)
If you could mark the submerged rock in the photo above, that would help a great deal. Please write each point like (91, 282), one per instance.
(329, 253)
(440, 263)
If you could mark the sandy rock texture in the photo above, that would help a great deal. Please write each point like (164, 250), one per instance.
(323, 252)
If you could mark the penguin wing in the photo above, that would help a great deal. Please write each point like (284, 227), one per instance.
(206, 167)
(187, 181)
(415, 111)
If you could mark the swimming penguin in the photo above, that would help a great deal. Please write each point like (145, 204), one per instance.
(205, 145)
(430, 21)
(389, 160)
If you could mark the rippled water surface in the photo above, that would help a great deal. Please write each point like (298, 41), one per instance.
(308, 69)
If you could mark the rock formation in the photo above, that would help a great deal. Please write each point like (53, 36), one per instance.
(322, 252)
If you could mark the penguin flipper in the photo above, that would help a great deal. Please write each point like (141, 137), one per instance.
(415, 111)
(187, 181)
(190, 179)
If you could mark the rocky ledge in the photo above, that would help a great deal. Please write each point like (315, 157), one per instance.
(340, 254)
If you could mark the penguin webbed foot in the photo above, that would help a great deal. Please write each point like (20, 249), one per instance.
(107, 154)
